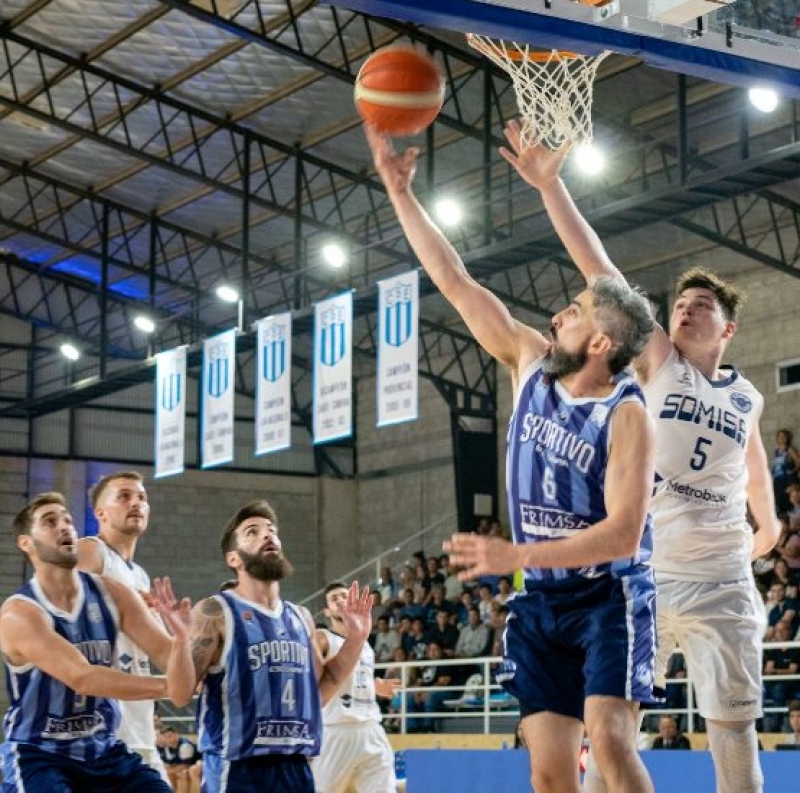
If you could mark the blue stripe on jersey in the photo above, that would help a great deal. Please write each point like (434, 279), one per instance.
(43, 711)
(263, 698)
(556, 465)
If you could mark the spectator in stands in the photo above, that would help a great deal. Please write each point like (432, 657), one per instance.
(433, 575)
(414, 641)
(178, 753)
(503, 590)
(386, 639)
(437, 603)
(430, 676)
(387, 586)
(669, 736)
(784, 464)
(676, 693)
(794, 724)
(443, 633)
(782, 573)
(412, 608)
(463, 608)
(788, 545)
(485, 602)
(483, 526)
(378, 606)
(474, 637)
(781, 609)
(452, 586)
(498, 625)
(780, 662)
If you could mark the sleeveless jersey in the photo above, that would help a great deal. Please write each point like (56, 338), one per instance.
(45, 713)
(355, 701)
(700, 498)
(136, 726)
(556, 464)
(263, 697)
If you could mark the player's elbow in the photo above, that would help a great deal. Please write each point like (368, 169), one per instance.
(628, 539)
(81, 680)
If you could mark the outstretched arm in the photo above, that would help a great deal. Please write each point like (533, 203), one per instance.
(511, 342)
(629, 481)
(540, 168)
(357, 617)
(27, 637)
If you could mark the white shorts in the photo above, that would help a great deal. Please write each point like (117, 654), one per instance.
(720, 628)
(357, 754)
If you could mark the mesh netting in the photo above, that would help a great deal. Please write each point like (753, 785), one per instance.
(554, 90)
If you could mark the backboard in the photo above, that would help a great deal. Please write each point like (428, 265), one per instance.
(748, 42)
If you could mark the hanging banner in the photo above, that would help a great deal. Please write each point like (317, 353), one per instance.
(170, 431)
(398, 342)
(219, 377)
(274, 383)
(333, 368)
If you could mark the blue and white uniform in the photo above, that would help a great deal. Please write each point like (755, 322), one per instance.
(574, 632)
(707, 599)
(259, 717)
(57, 739)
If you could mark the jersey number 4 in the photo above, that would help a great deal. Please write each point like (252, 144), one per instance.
(700, 454)
(288, 698)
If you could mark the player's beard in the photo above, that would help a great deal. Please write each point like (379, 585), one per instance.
(559, 362)
(55, 556)
(269, 567)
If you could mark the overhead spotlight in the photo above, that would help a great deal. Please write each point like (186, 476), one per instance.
(334, 255)
(448, 212)
(590, 159)
(70, 351)
(227, 293)
(145, 324)
(763, 99)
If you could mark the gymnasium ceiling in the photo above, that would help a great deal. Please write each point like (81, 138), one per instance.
(152, 149)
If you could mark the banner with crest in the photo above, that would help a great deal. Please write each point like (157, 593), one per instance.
(333, 368)
(219, 381)
(274, 383)
(170, 423)
(398, 343)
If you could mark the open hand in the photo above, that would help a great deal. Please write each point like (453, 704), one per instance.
(356, 612)
(177, 615)
(480, 555)
(386, 688)
(537, 165)
(396, 170)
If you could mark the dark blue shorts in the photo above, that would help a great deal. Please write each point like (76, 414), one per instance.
(277, 773)
(119, 770)
(568, 640)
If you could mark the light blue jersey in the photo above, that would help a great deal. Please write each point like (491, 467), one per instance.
(558, 449)
(44, 713)
(263, 697)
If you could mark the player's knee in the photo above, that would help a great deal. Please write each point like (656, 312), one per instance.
(610, 744)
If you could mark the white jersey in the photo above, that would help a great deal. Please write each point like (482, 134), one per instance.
(136, 727)
(355, 701)
(700, 497)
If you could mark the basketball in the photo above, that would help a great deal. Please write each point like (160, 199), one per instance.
(399, 90)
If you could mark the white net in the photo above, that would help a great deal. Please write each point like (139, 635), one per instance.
(554, 90)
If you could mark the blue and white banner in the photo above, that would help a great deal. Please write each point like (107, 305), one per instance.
(398, 343)
(170, 434)
(219, 381)
(333, 368)
(274, 383)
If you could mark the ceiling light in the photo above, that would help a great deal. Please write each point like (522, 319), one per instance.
(590, 159)
(763, 99)
(334, 255)
(227, 293)
(448, 212)
(70, 351)
(145, 324)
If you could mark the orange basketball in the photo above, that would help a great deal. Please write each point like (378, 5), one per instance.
(399, 89)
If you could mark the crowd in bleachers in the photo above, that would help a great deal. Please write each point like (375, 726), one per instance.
(424, 612)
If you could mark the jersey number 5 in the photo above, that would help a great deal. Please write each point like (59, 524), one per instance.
(700, 454)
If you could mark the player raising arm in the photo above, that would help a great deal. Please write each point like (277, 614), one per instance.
(710, 461)
(579, 644)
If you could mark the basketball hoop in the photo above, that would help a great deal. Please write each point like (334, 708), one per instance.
(553, 88)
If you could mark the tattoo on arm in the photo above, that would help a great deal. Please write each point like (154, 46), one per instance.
(207, 636)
